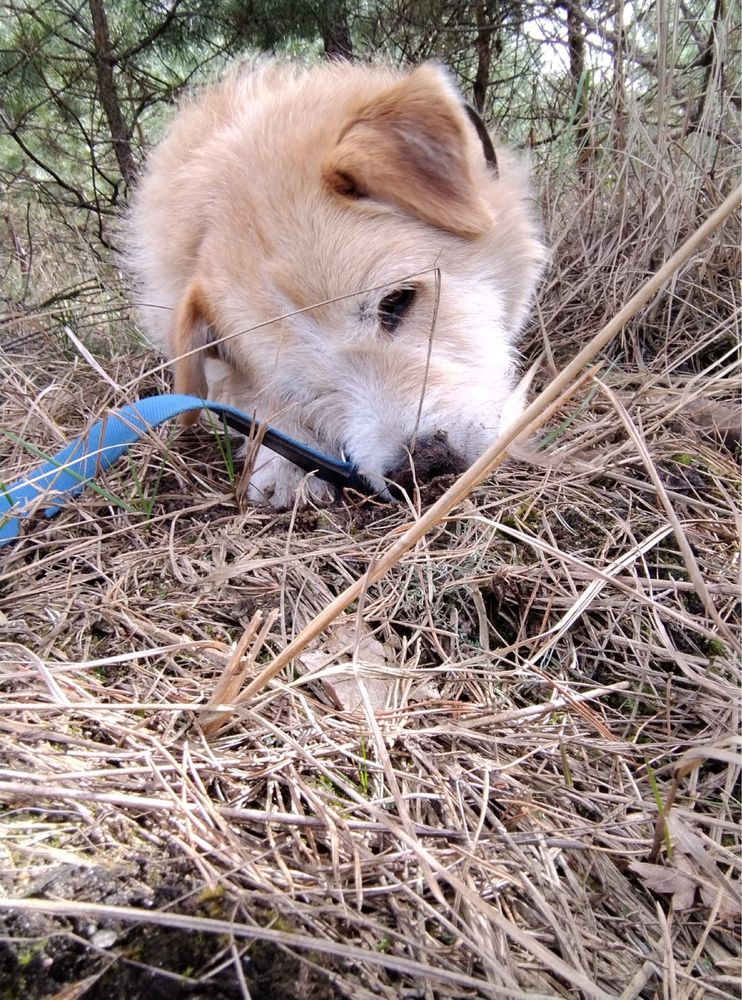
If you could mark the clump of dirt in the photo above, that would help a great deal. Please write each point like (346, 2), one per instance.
(433, 458)
(43, 954)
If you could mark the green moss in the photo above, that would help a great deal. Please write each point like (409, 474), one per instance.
(212, 901)
(24, 958)
(716, 648)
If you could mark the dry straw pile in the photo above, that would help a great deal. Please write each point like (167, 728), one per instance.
(508, 769)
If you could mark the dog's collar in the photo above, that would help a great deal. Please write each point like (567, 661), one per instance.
(484, 137)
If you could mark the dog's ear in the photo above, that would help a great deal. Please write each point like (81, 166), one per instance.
(192, 334)
(412, 146)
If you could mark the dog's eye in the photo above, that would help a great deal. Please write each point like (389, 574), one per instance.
(393, 307)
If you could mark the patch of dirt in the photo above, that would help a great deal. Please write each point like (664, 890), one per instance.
(46, 956)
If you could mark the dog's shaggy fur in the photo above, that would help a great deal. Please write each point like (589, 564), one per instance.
(330, 248)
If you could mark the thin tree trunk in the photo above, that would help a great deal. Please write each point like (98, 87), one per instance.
(576, 47)
(104, 62)
(336, 30)
(484, 48)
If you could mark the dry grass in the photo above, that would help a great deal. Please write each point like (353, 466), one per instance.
(537, 794)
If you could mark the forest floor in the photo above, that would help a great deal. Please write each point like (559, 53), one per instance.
(533, 789)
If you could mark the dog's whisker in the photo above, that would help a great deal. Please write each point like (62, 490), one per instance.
(433, 321)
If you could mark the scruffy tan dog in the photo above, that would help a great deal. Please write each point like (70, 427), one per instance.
(331, 248)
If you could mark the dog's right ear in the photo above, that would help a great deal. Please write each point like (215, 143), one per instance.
(192, 335)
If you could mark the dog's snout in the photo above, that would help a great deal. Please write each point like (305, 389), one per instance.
(433, 457)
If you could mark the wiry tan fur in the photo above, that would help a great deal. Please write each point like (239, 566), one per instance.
(283, 205)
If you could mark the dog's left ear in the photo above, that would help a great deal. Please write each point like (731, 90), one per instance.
(191, 337)
(412, 146)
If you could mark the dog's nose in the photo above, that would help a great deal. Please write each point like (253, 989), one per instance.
(433, 456)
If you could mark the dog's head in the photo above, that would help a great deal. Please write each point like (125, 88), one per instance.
(361, 270)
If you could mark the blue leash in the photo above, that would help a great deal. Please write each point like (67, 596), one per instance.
(69, 471)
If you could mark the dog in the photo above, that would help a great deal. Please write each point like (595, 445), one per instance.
(338, 249)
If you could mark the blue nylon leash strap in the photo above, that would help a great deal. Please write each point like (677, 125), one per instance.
(69, 471)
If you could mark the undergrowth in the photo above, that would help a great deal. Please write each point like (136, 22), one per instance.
(545, 801)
